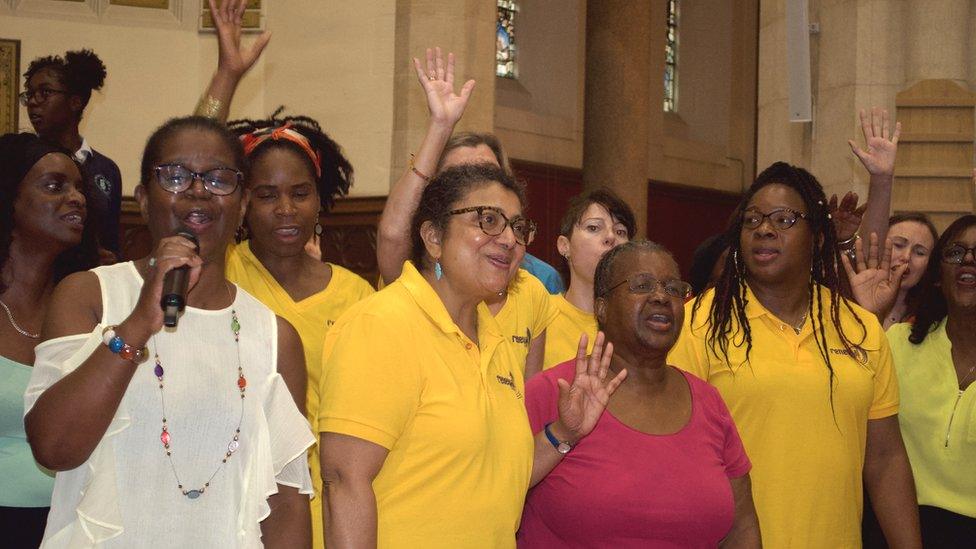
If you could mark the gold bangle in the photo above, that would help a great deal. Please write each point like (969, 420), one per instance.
(209, 107)
(414, 169)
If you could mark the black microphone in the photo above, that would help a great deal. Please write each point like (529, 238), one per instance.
(175, 285)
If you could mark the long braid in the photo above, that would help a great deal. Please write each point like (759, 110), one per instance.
(728, 324)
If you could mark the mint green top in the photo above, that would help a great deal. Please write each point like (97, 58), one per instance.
(25, 483)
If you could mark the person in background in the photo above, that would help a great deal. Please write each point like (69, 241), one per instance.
(523, 308)
(546, 273)
(595, 223)
(424, 438)
(664, 466)
(45, 235)
(56, 91)
(707, 262)
(806, 373)
(191, 436)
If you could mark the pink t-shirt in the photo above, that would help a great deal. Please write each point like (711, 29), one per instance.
(622, 488)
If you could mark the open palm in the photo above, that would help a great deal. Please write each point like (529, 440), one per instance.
(229, 18)
(847, 215)
(582, 403)
(875, 284)
(444, 104)
(878, 156)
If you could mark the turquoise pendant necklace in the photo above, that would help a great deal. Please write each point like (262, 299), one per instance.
(167, 439)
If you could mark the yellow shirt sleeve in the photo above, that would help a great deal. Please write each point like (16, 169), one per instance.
(688, 352)
(886, 398)
(368, 390)
(544, 311)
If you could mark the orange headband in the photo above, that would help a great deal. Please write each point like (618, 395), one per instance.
(253, 139)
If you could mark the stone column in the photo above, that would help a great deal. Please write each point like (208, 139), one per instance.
(616, 122)
(465, 27)
(937, 36)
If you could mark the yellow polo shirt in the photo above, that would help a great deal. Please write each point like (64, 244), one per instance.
(563, 335)
(937, 423)
(528, 311)
(806, 456)
(400, 373)
(312, 317)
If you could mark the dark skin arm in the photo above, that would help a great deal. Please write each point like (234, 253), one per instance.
(349, 465)
(91, 394)
(289, 524)
(745, 526)
(890, 485)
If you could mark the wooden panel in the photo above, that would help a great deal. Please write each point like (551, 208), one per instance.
(935, 156)
(549, 189)
(9, 85)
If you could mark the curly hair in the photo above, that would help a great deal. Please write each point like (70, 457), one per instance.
(80, 72)
(933, 308)
(448, 188)
(173, 127)
(728, 324)
(337, 171)
(80, 257)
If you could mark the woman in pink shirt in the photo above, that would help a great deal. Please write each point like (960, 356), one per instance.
(664, 466)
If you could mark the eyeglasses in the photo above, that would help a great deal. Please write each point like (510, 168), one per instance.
(956, 254)
(41, 95)
(781, 218)
(493, 223)
(644, 283)
(177, 178)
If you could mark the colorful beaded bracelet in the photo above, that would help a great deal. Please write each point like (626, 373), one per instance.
(117, 345)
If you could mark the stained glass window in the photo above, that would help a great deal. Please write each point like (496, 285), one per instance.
(506, 64)
(671, 58)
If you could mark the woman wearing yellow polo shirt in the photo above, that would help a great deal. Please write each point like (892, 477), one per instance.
(936, 363)
(806, 373)
(296, 171)
(523, 309)
(425, 441)
(595, 223)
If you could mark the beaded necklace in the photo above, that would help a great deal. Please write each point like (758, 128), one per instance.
(234, 444)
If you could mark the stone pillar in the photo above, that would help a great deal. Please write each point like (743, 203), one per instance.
(616, 122)
(937, 40)
(465, 27)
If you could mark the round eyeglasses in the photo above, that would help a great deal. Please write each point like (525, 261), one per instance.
(781, 218)
(956, 254)
(493, 222)
(40, 95)
(644, 283)
(177, 178)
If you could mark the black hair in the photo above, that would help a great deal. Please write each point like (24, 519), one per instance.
(603, 196)
(337, 171)
(444, 192)
(80, 257)
(80, 72)
(471, 139)
(703, 261)
(728, 323)
(933, 308)
(173, 127)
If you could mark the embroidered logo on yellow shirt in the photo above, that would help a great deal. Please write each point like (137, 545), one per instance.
(523, 340)
(510, 381)
(856, 352)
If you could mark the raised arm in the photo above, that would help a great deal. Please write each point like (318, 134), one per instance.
(874, 284)
(878, 159)
(233, 60)
(71, 416)
(445, 108)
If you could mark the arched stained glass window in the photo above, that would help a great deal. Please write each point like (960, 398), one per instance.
(506, 59)
(671, 59)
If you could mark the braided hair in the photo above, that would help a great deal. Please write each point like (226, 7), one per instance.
(80, 72)
(728, 323)
(337, 172)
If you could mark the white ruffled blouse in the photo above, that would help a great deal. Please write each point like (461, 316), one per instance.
(126, 494)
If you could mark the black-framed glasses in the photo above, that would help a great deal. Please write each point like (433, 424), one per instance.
(781, 218)
(493, 223)
(176, 178)
(956, 254)
(644, 283)
(40, 94)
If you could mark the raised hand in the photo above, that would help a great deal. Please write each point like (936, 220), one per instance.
(445, 106)
(875, 285)
(228, 18)
(879, 156)
(582, 403)
(847, 216)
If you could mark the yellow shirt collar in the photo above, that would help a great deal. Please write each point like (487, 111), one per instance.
(429, 302)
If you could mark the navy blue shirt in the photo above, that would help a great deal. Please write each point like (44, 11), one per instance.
(106, 183)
